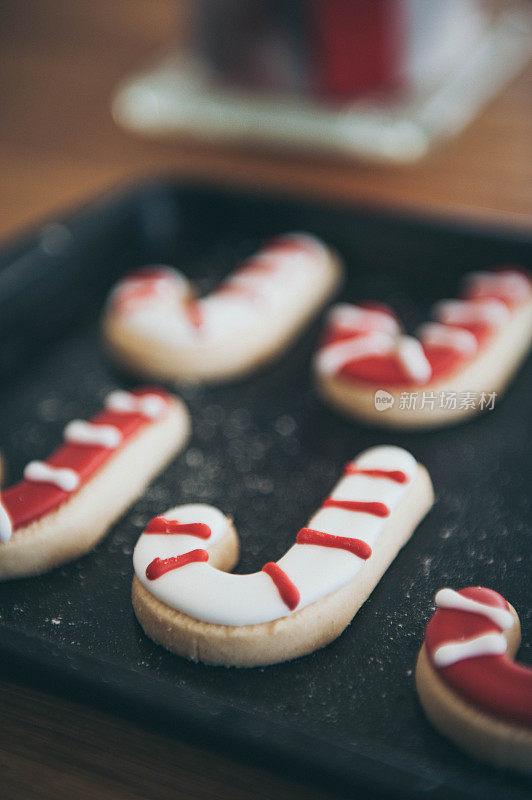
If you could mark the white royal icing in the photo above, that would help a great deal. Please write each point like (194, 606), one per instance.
(448, 598)
(264, 296)
(433, 334)
(489, 644)
(331, 358)
(63, 478)
(510, 285)
(80, 432)
(357, 318)
(413, 360)
(149, 405)
(207, 594)
(6, 526)
(493, 313)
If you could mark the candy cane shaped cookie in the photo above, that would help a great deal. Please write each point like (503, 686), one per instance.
(469, 685)
(185, 602)
(155, 326)
(453, 367)
(64, 505)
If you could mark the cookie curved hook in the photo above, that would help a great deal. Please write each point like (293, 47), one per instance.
(185, 601)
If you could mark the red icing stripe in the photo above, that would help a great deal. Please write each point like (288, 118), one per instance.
(194, 313)
(495, 684)
(172, 526)
(356, 546)
(27, 501)
(290, 244)
(393, 475)
(374, 305)
(234, 288)
(147, 272)
(471, 294)
(133, 296)
(377, 509)
(160, 566)
(256, 266)
(288, 590)
(137, 286)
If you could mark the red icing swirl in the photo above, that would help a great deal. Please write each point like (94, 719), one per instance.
(161, 525)
(27, 501)
(160, 566)
(495, 684)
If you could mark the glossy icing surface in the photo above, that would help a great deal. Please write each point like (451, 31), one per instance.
(466, 646)
(330, 552)
(44, 489)
(159, 303)
(363, 344)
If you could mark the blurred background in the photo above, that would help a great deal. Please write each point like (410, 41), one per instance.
(418, 104)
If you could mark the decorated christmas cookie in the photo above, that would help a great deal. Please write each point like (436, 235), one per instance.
(155, 326)
(453, 368)
(64, 505)
(469, 685)
(185, 600)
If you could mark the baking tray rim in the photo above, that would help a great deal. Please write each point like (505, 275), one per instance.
(130, 189)
(117, 690)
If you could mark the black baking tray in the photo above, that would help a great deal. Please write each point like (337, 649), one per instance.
(266, 451)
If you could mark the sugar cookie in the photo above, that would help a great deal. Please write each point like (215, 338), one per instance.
(64, 505)
(155, 326)
(185, 602)
(454, 368)
(469, 685)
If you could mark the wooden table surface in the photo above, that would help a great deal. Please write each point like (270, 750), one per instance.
(60, 62)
